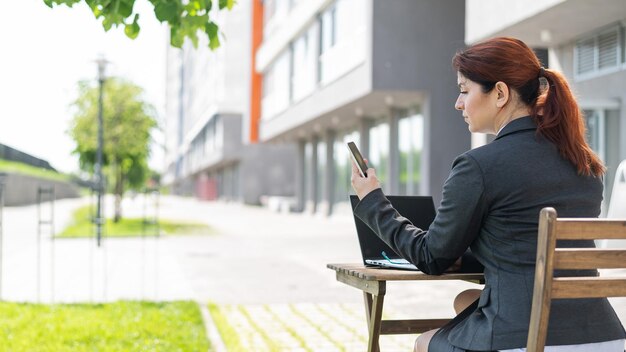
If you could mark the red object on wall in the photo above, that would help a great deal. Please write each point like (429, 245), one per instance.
(206, 187)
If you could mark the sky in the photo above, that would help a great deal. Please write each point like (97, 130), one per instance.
(44, 53)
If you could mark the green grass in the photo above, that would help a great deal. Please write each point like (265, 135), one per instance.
(81, 226)
(229, 335)
(25, 169)
(120, 326)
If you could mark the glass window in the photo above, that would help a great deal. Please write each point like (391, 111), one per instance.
(342, 38)
(328, 29)
(219, 133)
(304, 70)
(276, 86)
(379, 151)
(343, 166)
(209, 130)
(411, 142)
(274, 11)
(595, 131)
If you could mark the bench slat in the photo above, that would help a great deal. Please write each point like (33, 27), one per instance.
(579, 229)
(415, 326)
(589, 258)
(591, 287)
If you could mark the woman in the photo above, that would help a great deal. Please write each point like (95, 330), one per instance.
(491, 203)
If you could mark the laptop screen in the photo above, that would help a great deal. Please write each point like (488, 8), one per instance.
(419, 210)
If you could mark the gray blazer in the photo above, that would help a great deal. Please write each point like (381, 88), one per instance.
(491, 203)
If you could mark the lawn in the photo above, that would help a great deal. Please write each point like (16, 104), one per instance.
(21, 168)
(119, 326)
(81, 226)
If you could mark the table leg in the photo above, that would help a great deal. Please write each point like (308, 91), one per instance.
(374, 313)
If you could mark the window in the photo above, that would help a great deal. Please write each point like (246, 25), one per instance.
(379, 151)
(276, 86)
(410, 145)
(219, 133)
(304, 69)
(274, 12)
(600, 53)
(342, 38)
(603, 126)
(343, 166)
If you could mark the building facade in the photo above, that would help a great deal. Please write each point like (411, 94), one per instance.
(375, 72)
(208, 150)
(270, 112)
(586, 41)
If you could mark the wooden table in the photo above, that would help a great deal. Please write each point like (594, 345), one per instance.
(373, 282)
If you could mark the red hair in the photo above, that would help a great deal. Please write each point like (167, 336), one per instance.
(555, 110)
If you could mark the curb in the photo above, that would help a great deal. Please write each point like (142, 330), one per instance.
(217, 345)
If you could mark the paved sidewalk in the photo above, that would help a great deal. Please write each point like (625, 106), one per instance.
(264, 272)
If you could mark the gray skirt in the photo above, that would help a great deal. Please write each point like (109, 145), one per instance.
(440, 342)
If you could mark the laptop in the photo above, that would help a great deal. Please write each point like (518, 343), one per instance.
(419, 210)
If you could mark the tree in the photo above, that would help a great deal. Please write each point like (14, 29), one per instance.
(127, 123)
(184, 17)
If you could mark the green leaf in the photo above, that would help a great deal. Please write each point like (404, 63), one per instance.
(167, 11)
(176, 39)
(132, 30)
(107, 23)
(125, 8)
(227, 4)
(186, 18)
(211, 31)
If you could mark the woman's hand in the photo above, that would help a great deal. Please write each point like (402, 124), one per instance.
(364, 185)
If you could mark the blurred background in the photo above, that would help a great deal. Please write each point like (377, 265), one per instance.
(254, 129)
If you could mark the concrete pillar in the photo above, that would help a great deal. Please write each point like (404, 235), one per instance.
(329, 175)
(445, 137)
(300, 176)
(312, 200)
(393, 181)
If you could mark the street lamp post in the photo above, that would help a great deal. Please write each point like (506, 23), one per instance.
(102, 62)
(2, 177)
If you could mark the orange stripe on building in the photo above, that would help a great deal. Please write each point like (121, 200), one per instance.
(256, 79)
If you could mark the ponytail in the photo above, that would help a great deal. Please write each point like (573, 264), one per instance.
(560, 120)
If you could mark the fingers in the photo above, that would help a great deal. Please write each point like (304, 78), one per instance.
(354, 168)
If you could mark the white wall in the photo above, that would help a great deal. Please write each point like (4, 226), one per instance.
(484, 17)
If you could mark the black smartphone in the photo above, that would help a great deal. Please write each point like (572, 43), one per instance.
(358, 159)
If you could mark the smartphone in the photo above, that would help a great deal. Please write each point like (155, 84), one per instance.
(358, 159)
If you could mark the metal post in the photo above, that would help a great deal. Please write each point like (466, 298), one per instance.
(43, 221)
(100, 185)
(2, 176)
(39, 245)
(52, 255)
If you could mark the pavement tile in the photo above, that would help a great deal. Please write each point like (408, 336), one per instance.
(327, 327)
